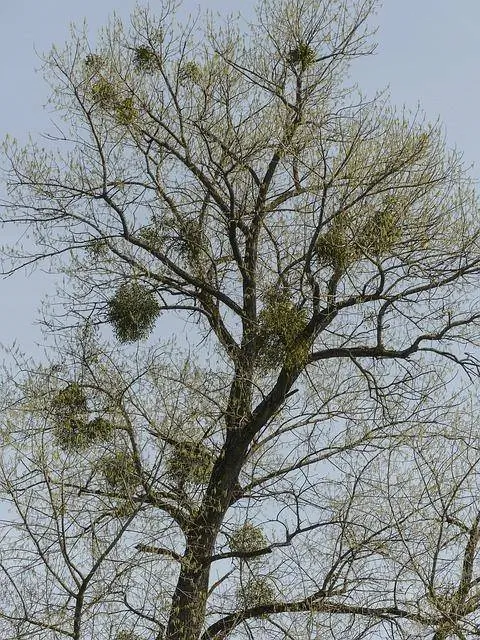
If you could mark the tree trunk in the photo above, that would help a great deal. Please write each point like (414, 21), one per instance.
(189, 600)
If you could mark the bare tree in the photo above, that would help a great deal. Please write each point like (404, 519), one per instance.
(282, 470)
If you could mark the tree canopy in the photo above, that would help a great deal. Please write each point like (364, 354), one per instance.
(249, 424)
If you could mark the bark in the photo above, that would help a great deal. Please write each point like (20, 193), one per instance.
(190, 599)
(187, 614)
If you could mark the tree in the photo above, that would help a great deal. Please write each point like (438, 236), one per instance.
(295, 465)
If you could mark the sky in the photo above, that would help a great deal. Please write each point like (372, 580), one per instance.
(428, 55)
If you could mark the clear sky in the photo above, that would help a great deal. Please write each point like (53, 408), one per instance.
(428, 54)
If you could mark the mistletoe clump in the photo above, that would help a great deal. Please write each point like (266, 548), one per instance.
(247, 538)
(75, 433)
(145, 59)
(72, 434)
(104, 94)
(335, 248)
(192, 242)
(73, 430)
(125, 111)
(302, 55)
(152, 236)
(70, 401)
(69, 408)
(102, 428)
(133, 311)
(120, 471)
(258, 591)
(381, 232)
(190, 462)
(94, 62)
(190, 71)
(281, 324)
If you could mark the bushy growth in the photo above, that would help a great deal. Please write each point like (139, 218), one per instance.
(119, 470)
(347, 241)
(103, 92)
(380, 233)
(69, 401)
(145, 59)
(258, 591)
(247, 538)
(75, 433)
(133, 311)
(302, 55)
(125, 111)
(190, 462)
(335, 247)
(190, 71)
(280, 327)
(72, 428)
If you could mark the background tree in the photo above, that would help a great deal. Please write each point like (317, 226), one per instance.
(279, 471)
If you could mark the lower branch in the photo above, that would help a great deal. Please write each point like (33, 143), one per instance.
(315, 604)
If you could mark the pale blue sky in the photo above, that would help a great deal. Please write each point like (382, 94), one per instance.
(428, 55)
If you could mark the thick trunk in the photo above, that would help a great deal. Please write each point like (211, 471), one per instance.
(190, 598)
(189, 601)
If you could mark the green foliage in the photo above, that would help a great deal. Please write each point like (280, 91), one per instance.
(72, 429)
(256, 592)
(69, 401)
(103, 92)
(335, 248)
(119, 470)
(190, 71)
(302, 55)
(280, 326)
(70, 434)
(145, 59)
(133, 311)
(247, 538)
(125, 111)
(213, 154)
(97, 248)
(151, 236)
(340, 246)
(94, 62)
(190, 462)
(102, 428)
(381, 232)
(74, 433)
(193, 241)
(106, 96)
